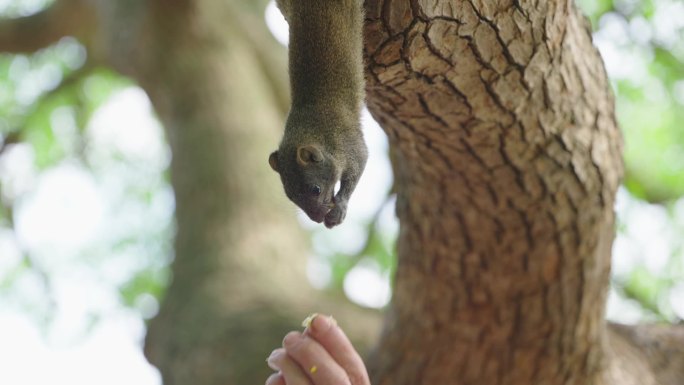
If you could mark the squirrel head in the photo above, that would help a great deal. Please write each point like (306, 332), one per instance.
(309, 176)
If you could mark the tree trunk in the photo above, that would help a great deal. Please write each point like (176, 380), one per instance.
(507, 158)
(239, 255)
(214, 75)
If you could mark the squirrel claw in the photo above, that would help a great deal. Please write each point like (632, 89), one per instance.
(335, 216)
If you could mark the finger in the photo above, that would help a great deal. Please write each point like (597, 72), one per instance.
(291, 372)
(320, 367)
(276, 379)
(325, 330)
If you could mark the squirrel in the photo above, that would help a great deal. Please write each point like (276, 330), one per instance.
(323, 143)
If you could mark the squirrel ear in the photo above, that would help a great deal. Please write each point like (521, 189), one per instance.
(273, 161)
(308, 154)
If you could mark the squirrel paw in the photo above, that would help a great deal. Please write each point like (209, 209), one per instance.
(335, 216)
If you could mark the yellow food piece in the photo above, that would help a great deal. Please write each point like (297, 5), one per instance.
(313, 369)
(308, 320)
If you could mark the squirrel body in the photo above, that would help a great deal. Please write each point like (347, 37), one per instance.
(323, 142)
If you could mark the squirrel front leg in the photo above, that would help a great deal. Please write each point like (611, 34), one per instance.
(350, 178)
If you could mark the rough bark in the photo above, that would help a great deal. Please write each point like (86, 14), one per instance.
(507, 158)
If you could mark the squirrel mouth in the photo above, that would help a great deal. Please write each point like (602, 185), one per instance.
(317, 214)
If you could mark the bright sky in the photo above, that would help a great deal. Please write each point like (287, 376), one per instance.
(66, 211)
(63, 216)
(109, 354)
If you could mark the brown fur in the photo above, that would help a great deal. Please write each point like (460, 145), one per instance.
(323, 142)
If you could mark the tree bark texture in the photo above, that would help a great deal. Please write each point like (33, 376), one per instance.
(507, 158)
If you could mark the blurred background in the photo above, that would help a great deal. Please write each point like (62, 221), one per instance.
(87, 211)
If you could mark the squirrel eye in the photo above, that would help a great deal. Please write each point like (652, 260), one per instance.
(315, 190)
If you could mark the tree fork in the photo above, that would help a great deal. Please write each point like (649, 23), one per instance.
(63, 18)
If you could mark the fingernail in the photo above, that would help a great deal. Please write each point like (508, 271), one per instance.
(291, 339)
(322, 323)
(272, 359)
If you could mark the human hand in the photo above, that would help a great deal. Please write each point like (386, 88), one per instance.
(322, 355)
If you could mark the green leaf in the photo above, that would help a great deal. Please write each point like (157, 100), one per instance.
(645, 287)
(594, 9)
(647, 8)
(666, 66)
(39, 133)
(149, 281)
(654, 149)
(627, 89)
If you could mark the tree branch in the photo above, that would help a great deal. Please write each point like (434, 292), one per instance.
(658, 349)
(10, 139)
(270, 54)
(63, 18)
